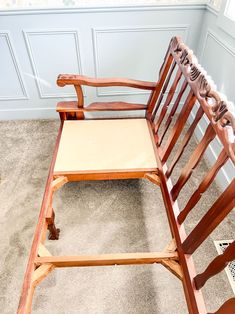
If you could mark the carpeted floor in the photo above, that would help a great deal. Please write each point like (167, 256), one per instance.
(94, 217)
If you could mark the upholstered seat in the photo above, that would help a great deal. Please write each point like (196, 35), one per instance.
(93, 145)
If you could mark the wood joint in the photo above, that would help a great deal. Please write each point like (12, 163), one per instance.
(154, 178)
(40, 273)
(42, 270)
(58, 183)
(174, 267)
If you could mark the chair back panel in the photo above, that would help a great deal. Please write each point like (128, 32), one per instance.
(184, 93)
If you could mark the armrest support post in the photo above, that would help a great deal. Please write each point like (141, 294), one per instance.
(80, 115)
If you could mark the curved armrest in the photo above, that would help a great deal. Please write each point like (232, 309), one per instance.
(67, 79)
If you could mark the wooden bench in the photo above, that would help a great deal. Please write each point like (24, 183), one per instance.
(103, 149)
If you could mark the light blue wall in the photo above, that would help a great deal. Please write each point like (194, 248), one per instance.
(118, 41)
(216, 52)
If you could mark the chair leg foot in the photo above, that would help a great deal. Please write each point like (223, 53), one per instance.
(54, 232)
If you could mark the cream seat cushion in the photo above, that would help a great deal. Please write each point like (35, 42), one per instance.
(105, 145)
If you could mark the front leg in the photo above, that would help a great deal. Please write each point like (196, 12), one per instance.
(53, 231)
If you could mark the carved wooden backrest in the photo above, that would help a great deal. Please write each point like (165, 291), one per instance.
(183, 82)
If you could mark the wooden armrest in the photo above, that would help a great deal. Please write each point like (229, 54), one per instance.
(72, 106)
(67, 79)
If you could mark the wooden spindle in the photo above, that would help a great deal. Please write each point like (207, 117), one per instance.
(216, 266)
(219, 210)
(163, 91)
(172, 112)
(185, 141)
(204, 185)
(168, 99)
(155, 94)
(178, 127)
(227, 308)
(193, 161)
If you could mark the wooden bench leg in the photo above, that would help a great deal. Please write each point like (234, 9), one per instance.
(53, 231)
(50, 214)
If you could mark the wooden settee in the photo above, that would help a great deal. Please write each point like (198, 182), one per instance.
(95, 149)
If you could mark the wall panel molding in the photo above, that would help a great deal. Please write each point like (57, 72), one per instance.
(110, 8)
(210, 33)
(39, 81)
(129, 29)
(54, 41)
(7, 37)
(223, 177)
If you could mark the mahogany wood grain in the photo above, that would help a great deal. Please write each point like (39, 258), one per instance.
(168, 99)
(193, 296)
(185, 141)
(72, 79)
(219, 210)
(63, 116)
(172, 112)
(163, 91)
(156, 92)
(80, 115)
(114, 106)
(67, 106)
(178, 127)
(54, 232)
(72, 106)
(195, 158)
(216, 266)
(204, 185)
(227, 308)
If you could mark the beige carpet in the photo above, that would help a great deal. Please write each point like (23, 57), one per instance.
(94, 217)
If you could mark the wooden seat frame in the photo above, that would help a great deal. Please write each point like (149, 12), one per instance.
(196, 90)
